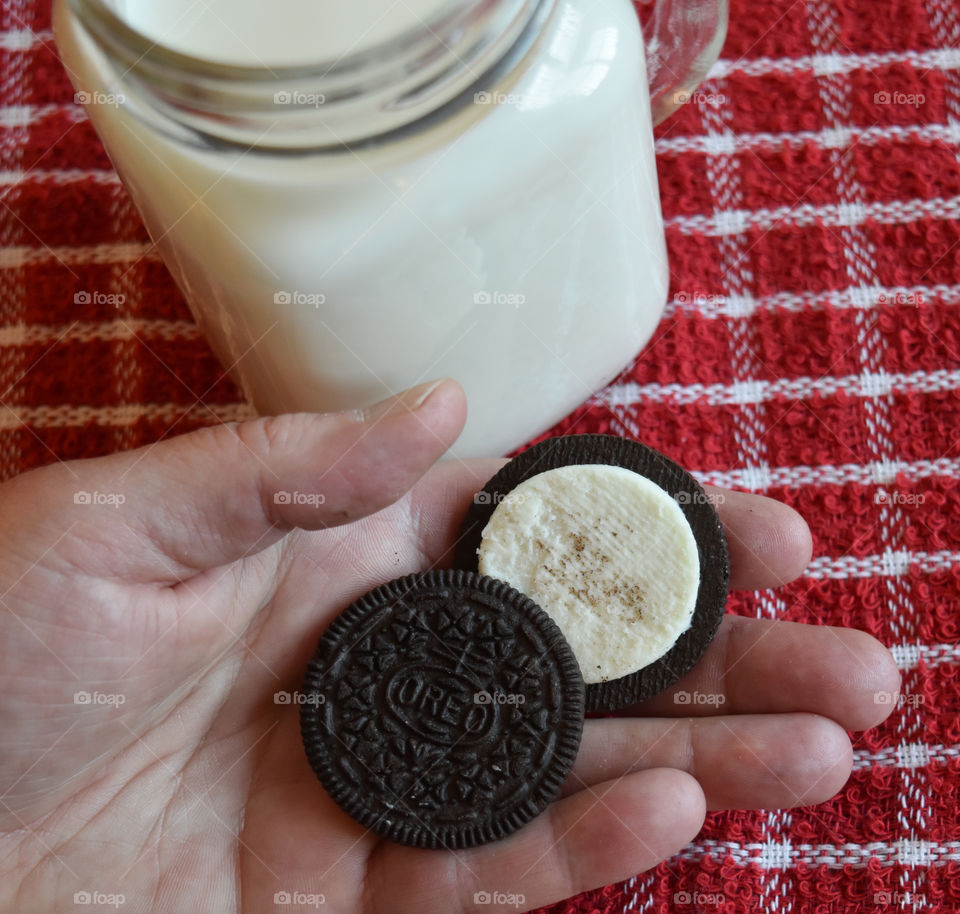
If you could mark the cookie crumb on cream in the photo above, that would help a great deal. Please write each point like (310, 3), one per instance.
(607, 553)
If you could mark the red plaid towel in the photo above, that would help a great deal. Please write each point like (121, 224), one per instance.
(811, 351)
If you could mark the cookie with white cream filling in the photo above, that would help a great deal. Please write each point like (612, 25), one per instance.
(620, 545)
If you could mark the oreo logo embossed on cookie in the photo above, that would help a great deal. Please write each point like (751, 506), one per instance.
(619, 545)
(443, 709)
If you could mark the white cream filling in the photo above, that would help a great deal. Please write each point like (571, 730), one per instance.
(607, 553)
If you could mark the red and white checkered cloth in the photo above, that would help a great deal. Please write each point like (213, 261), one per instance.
(811, 351)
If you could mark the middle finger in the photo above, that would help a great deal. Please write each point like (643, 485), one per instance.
(746, 761)
(758, 666)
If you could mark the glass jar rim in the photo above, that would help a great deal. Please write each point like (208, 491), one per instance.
(368, 96)
(100, 18)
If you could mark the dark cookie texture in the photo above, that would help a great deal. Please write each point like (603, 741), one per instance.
(443, 709)
(698, 510)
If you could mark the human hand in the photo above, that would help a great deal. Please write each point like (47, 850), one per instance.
(201, 596)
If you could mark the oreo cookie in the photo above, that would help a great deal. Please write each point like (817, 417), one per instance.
(620, 545)
(442, 710)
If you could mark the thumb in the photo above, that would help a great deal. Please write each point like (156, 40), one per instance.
(210, 497)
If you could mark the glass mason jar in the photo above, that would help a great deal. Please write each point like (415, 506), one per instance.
(355, 198)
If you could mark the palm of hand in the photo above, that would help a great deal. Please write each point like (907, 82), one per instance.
(212, 765)
(194, 792)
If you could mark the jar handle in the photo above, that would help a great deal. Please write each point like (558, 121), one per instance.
(683, 39)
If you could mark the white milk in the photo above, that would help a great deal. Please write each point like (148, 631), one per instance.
(517, 246)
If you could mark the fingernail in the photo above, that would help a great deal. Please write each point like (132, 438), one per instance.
(409, 401)
(418, 395)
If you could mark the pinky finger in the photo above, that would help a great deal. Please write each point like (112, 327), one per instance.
(595, 837)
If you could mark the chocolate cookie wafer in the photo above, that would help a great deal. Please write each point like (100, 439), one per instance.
(443, 709)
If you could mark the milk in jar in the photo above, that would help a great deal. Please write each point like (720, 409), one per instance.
(509, 236)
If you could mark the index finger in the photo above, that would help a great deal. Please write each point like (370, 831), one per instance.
(769, 542)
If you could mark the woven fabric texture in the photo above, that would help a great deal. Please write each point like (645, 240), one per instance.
(810, 351)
